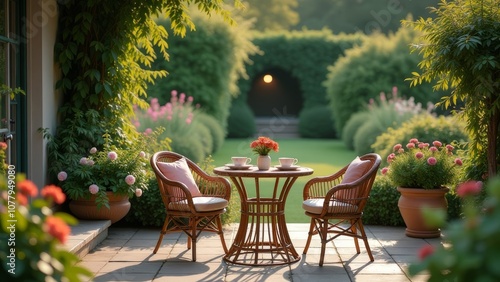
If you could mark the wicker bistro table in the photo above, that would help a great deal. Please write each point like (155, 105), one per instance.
(262, 238)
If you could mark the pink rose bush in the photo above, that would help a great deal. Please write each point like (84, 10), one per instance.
(122, 171)
(422, 165)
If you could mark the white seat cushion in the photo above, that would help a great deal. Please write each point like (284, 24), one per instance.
(201, 204)
(316, 206)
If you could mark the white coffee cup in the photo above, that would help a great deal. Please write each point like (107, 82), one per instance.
(288, 162)
(239, 161)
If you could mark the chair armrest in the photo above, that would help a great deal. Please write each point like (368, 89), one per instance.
(318, 187)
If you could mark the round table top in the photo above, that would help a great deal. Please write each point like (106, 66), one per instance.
(253, 171)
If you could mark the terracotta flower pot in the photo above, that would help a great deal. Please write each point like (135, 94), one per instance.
(119, 206)
(411, 203)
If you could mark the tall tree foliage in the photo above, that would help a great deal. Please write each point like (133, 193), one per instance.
(271, 14)
(461, 51)
(104, 50)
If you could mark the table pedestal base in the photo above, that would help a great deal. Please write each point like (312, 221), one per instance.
(262, 238)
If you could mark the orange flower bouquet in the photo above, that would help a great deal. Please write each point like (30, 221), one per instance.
(263, 145)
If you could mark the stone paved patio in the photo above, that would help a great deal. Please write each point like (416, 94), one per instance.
(127, 255)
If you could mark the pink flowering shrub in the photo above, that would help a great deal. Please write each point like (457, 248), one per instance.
(122, 171)
(422, 165)
(175, 116)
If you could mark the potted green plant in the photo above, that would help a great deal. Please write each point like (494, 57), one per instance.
(421, 172)
(101, 183)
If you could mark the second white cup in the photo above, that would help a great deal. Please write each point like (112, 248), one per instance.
(288, 162)
(239, 161)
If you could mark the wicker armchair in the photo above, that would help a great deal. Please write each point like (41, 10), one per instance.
(335, 203)
(188, 211)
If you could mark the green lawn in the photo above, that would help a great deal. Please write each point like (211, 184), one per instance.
(324, 156)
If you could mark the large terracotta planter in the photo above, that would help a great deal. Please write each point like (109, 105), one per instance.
(119, 206)
(410, 204)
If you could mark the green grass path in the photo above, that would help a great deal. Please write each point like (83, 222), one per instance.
(325, 156)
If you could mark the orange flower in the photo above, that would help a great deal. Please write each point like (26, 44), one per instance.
(27, 188)
(263, 145)
(56, 227)
(425, 251)
(55, 193)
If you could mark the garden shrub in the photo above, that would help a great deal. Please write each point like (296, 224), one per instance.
(241, 121)
(316, 122)
(365, 136)
(203, 135)
(382, 207)
(206, 63)
(188, 145)
(377, 65)
(352, 126)
(424, 127)
(147, 210)
(215, 128)
(387, 113)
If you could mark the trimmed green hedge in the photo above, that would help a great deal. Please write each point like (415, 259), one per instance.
(305, 55)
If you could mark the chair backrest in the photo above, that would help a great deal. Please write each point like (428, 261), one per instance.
(360, 193)
(169, 189)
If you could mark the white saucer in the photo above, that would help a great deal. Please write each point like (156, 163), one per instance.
(293, 167)
(238, 167)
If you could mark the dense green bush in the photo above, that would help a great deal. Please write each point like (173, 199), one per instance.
(188, 146)
(365, 136)
(215, 128)
(382, 207)
(202, 133)
(387, 113)
(424, 127)
(147, 210)
(378, 65)
(241, 121)
(316, 122)
(352, 126)
(205, 64)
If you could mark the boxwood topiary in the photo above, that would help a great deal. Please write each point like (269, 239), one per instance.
(241, 121)
(352, 126)
(316, 122)
(215, 128)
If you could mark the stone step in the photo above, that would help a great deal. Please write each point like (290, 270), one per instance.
(277, 127)
(86, 236)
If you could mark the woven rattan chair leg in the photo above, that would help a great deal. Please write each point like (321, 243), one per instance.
(221, 234)
(162, 232)
(311, 232)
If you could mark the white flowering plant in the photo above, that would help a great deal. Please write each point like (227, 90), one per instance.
(119, 170)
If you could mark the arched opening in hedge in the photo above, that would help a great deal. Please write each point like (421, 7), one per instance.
(280, 95)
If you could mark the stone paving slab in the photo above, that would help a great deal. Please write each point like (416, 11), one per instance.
(127, 255)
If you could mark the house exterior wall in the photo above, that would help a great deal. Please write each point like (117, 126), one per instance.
(42, 73)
